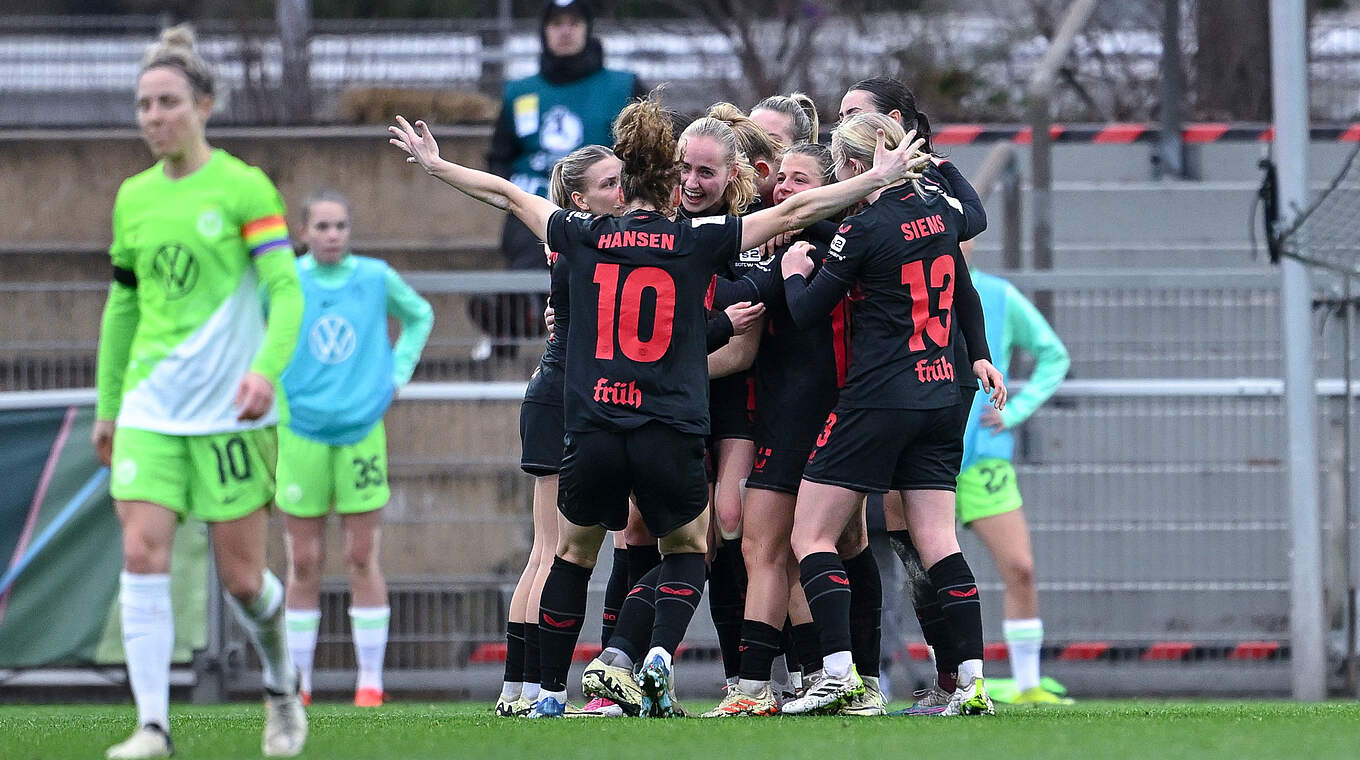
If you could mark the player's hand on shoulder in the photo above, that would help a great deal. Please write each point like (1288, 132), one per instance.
(101, 437)
(417, 141)
(254, 396)
(992, 382)
(744, 316)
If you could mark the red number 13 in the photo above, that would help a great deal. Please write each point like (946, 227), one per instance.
(925, 320)
(628, 332)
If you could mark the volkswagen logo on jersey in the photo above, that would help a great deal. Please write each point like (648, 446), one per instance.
(176, 268)
(562, 131)
(331, 339)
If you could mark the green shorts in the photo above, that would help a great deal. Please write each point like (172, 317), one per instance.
(987, 488)
(315, 475)
(213, 478)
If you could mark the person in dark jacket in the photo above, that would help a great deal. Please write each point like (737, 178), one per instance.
(570, 102)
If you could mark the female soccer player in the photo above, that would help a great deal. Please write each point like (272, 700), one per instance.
(796, 378)
(634, 406)
(186, 378)
(894, 99)
(586, 180)
(893, 426)
(791, 119)
(333, 451)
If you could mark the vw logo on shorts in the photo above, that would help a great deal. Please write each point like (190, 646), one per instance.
(332, 339)
(293, 493)
(125, 472)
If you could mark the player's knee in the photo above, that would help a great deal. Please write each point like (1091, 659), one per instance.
(242, 583)
(360, 558)
(144, 554)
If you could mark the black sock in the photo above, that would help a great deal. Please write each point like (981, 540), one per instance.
(809, 642)
(924, 599)
(614, 592)
(957, 591)
(788, 645)
(641, 559)
(561, 612)
(828, 594)
(514, 652)
(727, 602)
(759, 645)
(636, 616)
(678, 591)
(866, 611)
(532, 670)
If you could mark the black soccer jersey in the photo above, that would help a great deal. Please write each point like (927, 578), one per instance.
(901, 258)
(636, 350)
(545, 385)
(800, 369)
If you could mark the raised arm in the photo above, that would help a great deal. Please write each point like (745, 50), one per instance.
(890, 167)
(485, 187)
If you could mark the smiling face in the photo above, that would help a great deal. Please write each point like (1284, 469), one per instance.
(170, 119)
(327, 230)
(601, 194)
(704, 173)
(798, 172)
(776, 124)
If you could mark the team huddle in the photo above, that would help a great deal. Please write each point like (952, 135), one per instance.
(749, 332)
(853, 388)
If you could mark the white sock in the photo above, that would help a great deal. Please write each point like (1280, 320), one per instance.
(148, 640)
(369, 625)
(262, 617)
(750, 686)
(969, 670)
(616, 657)
(532, 692)
(838, 664)
(510, 690)
(1024, 639)
(302, 628)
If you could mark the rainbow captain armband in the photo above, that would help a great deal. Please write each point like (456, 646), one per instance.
(265, 234)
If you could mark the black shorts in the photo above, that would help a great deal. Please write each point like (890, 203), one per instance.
(731, 407)
(778, 468)
(881, 450)
(540, 438)
(661, 466)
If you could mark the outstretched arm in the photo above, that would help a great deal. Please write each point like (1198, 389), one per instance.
(890, 168)
(487, 188)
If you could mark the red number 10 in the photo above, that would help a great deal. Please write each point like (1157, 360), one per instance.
(923, 319)
(628, 333)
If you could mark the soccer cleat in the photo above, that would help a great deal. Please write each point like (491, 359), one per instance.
(828, 694)
(548, 707)
(656, 682)
(1038, 695)
(737, 702)
(285, 725)
(512, 708)
(618, 685)
(970, 700)
(867, 704)
(368, 698)
(599, 707)
(929, 701)
(148, 741)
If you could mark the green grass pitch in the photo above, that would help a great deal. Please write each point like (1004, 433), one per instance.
(1146, 730)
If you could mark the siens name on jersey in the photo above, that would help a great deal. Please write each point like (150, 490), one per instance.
(623, 394)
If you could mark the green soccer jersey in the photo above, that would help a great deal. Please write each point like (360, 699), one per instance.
(184, 321)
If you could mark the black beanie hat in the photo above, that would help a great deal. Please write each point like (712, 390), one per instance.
(580, 7)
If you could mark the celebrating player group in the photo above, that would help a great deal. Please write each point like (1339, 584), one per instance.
(831, 285)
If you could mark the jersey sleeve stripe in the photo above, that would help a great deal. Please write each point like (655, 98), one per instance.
(265, 234)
